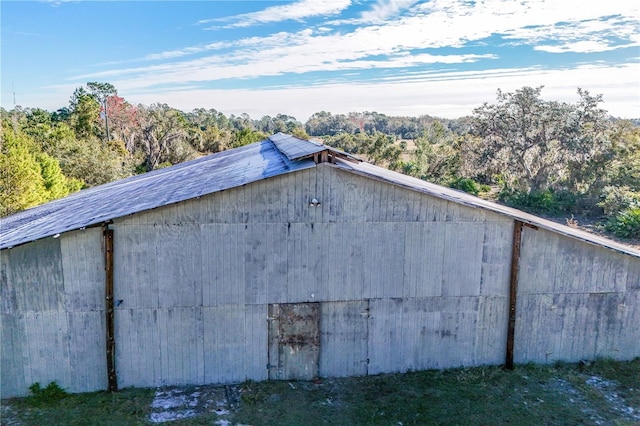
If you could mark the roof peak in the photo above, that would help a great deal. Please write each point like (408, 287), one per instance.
(295, 148)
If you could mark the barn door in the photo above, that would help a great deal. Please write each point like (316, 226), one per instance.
(294, 341)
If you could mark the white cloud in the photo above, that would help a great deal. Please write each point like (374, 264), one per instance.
(547, 25)
(366, 48)
(441, 95)
(584, 46)
(380, 12)
(384, 9)
(408, 41)
(257, 43)
(178, 53)
(591, 35)
(294, 11)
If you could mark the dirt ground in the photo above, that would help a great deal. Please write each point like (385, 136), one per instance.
(182, 403)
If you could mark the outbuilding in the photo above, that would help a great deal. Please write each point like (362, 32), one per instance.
(287, 259)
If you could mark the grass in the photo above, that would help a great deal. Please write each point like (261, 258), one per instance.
(128, 407)
(603, 392)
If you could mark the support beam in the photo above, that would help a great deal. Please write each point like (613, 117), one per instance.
(111, 341)
(513, 291)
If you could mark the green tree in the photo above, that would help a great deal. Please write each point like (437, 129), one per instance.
(436, 157)
(377, 148)
(84, 113)
(56, 184)
(624, 167)
(536, 145)
(101, 92)
(29, 176)
(620, 198)
(347, 142)
(163, 135)
(326, 124)
(94, 161)
(208, 130)
(380, 149)
(38, 124)
(300, 133)
(246, 136)
(21, 184)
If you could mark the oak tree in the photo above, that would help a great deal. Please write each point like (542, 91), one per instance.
(534, 145)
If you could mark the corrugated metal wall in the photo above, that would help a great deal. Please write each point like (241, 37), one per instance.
(406, 281)
(576, 301)
(432, 273)
(53, 321)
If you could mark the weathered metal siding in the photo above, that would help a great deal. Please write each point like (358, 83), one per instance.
(53, 324)
(344, 337)
(575, 301)
(176, 321)
(434, 275)
(405, 281)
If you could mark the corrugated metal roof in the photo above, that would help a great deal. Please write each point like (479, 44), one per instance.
(173, 184)
(271, 157)
(295, 148)
(375, 172)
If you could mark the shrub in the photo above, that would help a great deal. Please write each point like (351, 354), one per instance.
(547, 201)
(617, 199)
(625, 224)
(469, 186)
(44, 396)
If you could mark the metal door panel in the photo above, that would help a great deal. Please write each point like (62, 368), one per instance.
(294, 341)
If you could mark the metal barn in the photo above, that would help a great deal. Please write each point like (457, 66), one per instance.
(287, 259)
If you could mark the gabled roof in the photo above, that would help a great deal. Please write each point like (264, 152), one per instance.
(277, 155)
(297, 149)
(191, 179)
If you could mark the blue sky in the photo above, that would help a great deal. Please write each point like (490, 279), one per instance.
(398, 57)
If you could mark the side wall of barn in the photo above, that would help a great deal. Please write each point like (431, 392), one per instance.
(405, 280)
(52, 314)
(575, 301)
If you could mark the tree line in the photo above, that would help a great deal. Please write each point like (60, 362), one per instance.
(100, 137)
(541, 156)
(545, 157)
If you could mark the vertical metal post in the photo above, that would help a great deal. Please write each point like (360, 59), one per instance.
(111, 341)
(513, 292)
